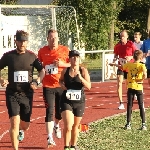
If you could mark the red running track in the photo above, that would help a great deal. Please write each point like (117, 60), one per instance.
(101, 101)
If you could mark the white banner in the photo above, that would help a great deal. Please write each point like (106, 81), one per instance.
(110, 72)
(9, 26)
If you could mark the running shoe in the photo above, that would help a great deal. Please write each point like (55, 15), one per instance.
(21, 135)
(121, 106)
(57, 132)
(51, 142)
(127, 127)
(143, 127)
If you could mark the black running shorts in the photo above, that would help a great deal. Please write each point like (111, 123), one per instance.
(19, 103)
(148, 73)
(120, 72)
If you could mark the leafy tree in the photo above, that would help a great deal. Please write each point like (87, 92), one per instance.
(8, 2)
(133, 17)
(94, 20)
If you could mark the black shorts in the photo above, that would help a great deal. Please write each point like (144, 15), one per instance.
(120, 72)
(77, 107)
(148, 73)
(19, 103)
(52, 98)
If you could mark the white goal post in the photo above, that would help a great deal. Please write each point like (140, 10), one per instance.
(37, 20)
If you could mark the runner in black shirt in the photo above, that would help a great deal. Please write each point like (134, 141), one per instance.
(73, 80)
(20, 85)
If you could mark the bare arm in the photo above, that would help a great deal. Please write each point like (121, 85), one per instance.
(85, 79)
(61, 80)
(60, 63)
(144, 74)
(41, 75)
(128, 58)
(65, 65)
(115, 58)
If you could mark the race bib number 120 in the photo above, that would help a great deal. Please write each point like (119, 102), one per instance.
(21, 76)
(73, 94)
(51, 69)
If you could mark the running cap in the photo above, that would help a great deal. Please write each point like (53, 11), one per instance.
(21, 35)
(73, 53)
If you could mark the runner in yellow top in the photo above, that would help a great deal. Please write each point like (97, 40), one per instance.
(136, 74)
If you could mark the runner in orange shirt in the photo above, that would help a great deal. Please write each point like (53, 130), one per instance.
(54, 58)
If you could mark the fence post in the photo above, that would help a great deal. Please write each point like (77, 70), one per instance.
(53, 18)
(103, 66)
(1, 41)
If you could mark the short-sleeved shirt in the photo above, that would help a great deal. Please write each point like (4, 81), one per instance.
(124, 50)
(135, 73)
(47, 57)
(20, 69)
(146, 49)
(138, 45)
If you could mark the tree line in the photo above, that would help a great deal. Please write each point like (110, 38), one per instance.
(100, 22)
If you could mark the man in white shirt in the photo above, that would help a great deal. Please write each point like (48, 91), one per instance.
(137, 40)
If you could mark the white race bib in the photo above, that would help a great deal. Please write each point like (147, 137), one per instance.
(51, 69)
(122, 61)
(21, 76)
(73, 94)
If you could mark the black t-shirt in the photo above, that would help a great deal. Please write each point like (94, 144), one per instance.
(20, 69)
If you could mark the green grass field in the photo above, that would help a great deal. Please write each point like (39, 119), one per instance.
(109, 134)
(91, 64)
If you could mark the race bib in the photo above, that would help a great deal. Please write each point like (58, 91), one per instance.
(122, 61)
(73, 94)
(51, 69)
(21, 76)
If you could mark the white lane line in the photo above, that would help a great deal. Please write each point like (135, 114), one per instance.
(4, 133)
(91, 98)
(97, 87)
(2, 112)
(40, 105)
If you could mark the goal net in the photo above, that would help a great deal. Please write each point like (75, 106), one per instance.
(37, 20)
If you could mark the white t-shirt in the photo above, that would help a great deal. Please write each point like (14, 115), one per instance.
(138, 45)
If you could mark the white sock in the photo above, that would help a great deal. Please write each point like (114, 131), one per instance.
(50, 136)
(56, 125)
